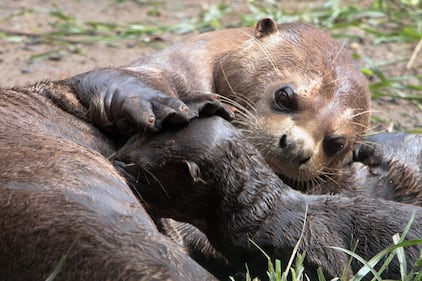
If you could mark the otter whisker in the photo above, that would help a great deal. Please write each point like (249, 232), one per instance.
(365, 127)
(339, 51)
(156, 180)
(316, 183)
(245, 100)
(364, 112)
(230, 101)
(369, 144)
(264, 50)
(331, 178)
(136, 191)
(226, 79)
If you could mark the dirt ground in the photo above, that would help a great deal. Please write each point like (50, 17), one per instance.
(26, 59)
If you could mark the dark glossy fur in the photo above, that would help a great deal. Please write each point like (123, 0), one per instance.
(60, 195)
(392, 167)
(208, 175)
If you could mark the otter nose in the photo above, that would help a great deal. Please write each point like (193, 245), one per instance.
(298, 151)
(283, 141)
(304, 159)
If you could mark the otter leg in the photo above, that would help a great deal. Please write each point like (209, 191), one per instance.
(119, 99)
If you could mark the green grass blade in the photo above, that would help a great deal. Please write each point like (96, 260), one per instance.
(368, 265)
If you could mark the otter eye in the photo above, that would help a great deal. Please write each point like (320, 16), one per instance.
(285, 99)
(333, 145)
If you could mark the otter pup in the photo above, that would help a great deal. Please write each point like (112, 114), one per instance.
(221, 184)
(300, 98)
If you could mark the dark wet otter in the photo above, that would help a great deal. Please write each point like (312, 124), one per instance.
(391, 168)
(300, 98)
(60, 195)
(387, 165)
(221, 184)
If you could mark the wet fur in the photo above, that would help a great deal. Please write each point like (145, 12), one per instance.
(43, 129)
(239, 198)
(387, 166)
(60, 196)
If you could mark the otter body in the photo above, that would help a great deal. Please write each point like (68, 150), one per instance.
(60, 196)
(221, 184)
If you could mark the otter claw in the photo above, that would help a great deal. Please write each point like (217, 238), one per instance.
(208, 105)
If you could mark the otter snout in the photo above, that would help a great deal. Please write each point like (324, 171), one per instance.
(297, 146)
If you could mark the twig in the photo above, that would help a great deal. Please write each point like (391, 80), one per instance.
(414, 55)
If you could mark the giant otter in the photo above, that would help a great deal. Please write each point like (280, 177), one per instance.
(208, 175)
(61, 196)
(299, 96)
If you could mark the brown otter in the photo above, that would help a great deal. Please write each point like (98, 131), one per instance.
(300, 98)
(61, 196)
(221, 184)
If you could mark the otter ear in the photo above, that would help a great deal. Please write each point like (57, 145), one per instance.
(194, 171)
(265, 27)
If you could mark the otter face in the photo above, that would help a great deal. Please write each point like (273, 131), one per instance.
(302, 101)
(165, 170)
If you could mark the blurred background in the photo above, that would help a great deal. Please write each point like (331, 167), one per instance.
(42, 39)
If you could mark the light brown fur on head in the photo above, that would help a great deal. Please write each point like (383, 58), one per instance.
(257, 70)
(304, 101)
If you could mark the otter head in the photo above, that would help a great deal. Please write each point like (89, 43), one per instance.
(302, 101)
(178, 173)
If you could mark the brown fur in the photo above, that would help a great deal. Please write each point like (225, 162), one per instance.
(48, 128)
(60, 196)
(248, 66)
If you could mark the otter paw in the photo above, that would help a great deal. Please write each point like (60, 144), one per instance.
(370, 154)
(208, 105)
(149, 109)
(119, 100)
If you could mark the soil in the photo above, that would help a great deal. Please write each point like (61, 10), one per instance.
(26, 59)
